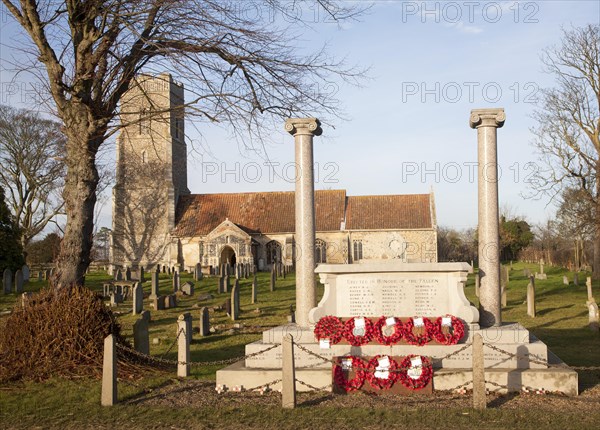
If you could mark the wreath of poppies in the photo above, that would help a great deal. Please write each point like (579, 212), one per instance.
(329, 327)
(382, 383)
(456, 332)
(421, 339)
(358, 340)
(422, 380)
(394, 337)
(340, 379)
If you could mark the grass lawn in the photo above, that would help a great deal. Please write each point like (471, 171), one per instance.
(161, 401)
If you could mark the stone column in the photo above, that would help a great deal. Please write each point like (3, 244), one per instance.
(303, 130)
(487, 121)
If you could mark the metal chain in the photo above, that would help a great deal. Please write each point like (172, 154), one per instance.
(260, 387)
(312, 387)
(542, 362)
(172, 345)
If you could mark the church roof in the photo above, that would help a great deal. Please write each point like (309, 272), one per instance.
(273, 212)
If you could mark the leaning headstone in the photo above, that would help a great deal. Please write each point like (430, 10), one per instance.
(141, 335)
(576, 279)
(7, 281)
(531, 297)
(109, 372)
(594, 316)
(138, 298)
(26, 273)
(204, 322)
(154, 285)
(188, 288)
(273, 277)
(565, 280)
(18, 281)
(235, 301)
(254, 289)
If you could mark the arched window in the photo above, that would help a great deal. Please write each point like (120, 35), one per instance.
(273, 252)
(357, 248)
(320, 251)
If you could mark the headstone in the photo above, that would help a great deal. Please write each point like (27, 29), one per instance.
(138, 298)
(116, 298)
(479, 400)
(25, 297)
(154, 285)
(235, 301)
(7, 281)
(565, 280)
(531, 297)
(40, 275)
(254, 289)
(170, 301)
(109, 372)
(158, 303)
(503, 285)
(118, 275)
(26, 273)
(542, 266)
(226, 283)
(526, 273)
(503, 298)
(576, 279)
(128, 274)
(594, 316)
(164, 269)
(204, 322)
(228, 307)
(273, 278)
(141, 335)
(288, 373)
(198, 272)
(588, 284)
(188, 288)
(221, 284)
(48, 274)
(183, 344)
(18, 281)
(175, 281)
(141, 274)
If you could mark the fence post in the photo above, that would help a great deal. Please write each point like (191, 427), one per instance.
(109, 372)
(288, 373)
(479, 400)
(183, 346)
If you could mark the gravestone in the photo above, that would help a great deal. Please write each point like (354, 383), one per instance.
(235, 301)
(254, 289)
(158, 303)
(175, 281)
(18, 281)
(531, 297)
(226, 282)
(154, 290)
(576, 279)
(198, 272)
(170, 301)
(565, 280)
(588, 284)
(138, 298)
(7, 281)
(116, 298)
(188, 288)
(40, 275)
(541, 266)
(128, 274)
(593, 315)
(227, 306)
(204, 322)
(221, 284)
(141, 335)
(526, 273)
(26, 273)
(503, 284)
(273, 277)
(25, 297)
(118, 275)
(48, 274)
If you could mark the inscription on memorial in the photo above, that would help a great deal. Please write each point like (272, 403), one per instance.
(391, 295)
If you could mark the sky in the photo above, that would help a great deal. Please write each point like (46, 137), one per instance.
(406, 128)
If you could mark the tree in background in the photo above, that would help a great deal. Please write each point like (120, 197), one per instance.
(241, 69)
(43, 251)
(568, 124)
(32, 173)
(11, 252)
(515, 234)
(455, 245)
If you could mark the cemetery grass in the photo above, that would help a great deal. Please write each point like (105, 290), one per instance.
(159, 400)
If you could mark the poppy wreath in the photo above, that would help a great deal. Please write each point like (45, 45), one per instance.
(421, 339)
(394, 337)
(422, 380)
(456, 333)
(329, 327)
(358, 340)
(381, 383)
(339, 378)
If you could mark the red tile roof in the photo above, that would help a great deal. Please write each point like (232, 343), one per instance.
(273, 212)
(410, 211)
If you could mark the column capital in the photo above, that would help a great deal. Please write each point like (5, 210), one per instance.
(306, 126)
(493, 117)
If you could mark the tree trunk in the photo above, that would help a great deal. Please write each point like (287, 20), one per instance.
(80, 198)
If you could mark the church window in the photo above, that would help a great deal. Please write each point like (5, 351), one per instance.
(358, 252)
(320, 251)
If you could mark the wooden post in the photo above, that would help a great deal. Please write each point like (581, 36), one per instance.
(109, 372)
(288, 373)
(479, 400)
(183, 346)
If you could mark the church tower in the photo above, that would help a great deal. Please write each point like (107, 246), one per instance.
(151, 172)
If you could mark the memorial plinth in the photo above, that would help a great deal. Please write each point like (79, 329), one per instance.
(392, 288)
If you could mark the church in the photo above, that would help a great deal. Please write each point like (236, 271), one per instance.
(158, 221)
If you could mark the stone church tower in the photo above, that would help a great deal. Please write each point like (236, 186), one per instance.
(151, 172)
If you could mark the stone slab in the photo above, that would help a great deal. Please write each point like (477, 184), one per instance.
(492, 359)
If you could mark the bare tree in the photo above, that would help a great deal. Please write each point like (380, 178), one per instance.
(32, 173)
(243, 69)
(568, 124)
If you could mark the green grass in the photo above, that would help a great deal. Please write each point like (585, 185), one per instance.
(561, 323)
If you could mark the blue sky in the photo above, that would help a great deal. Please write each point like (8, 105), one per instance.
(407, 129)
